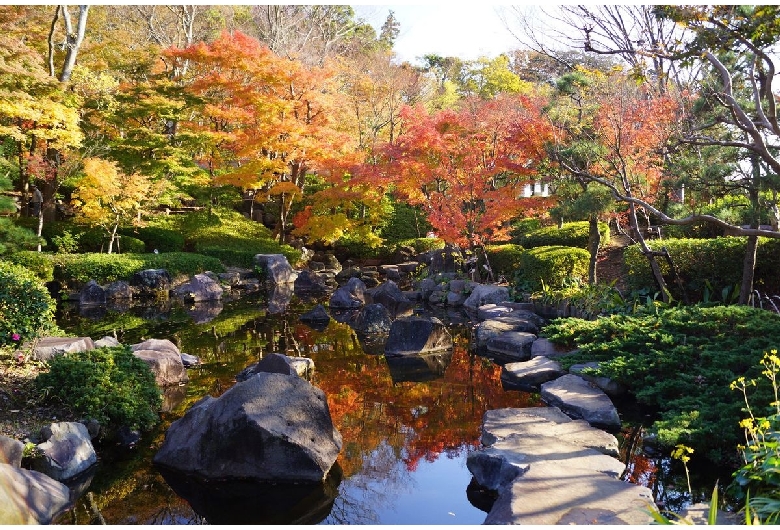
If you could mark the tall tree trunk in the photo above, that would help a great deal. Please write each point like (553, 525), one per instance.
(73, 40)
(748, 270)
(594, 242)
(647, 251)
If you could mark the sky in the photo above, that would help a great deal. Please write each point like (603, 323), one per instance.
(464, 30)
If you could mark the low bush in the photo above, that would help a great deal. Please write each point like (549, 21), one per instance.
(76, 269)
(110, 385)
(504, 259)
(679, 363)
(705, 266)
(573, 234)
(41, 264)
(422, 244)
(155, 237)
(521, 227)
(26, 308)
(552, 266)
(129, 245)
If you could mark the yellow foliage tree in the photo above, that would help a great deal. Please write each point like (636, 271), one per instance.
(106, 197)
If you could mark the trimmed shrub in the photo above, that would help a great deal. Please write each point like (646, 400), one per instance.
(26, 307)
(77, 269)
(504, 259)
(573, 234)
(552, 266)
(705, 265)
(129, 245)
(110, 385)
(162, 239)
(42, 265)
(521, 227)
(422, 244)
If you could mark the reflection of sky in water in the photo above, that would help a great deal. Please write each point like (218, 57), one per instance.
(386, 492)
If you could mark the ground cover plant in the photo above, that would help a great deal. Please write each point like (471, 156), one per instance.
(679, 362)
(110, 385)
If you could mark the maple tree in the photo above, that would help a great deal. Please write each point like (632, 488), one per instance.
(466, 167)
(618, 141)
(265, 121)
(106, 197)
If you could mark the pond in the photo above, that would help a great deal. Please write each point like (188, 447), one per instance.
(407, 425)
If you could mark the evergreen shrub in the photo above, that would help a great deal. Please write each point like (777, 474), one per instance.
(504, 259)
(552, 266)
(110, 385)
(40, 263)
(162, 239)
(574, 234)
(406, 222)
(26, 308)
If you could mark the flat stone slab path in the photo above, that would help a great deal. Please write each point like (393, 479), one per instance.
(550, 469)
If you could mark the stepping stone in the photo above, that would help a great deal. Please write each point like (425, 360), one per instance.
(580, 399)
(530, 375)
(542, 347)
(512, 345)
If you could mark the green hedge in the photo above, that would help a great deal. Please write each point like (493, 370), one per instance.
(716, 261)
(162, 239)
(41, 264)
(504, 259)
(573, 234)
(76, 269)
(553, 265)
(26, 308)
(406, 222)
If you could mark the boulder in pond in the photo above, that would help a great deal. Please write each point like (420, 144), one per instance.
(151, 282)
(373, 318)
(249, 433)
(66, 452)
(92, 294)
(47, 348)
(417, 334)
(310, 283)
(274, 269)
(119, 290)
(349, 296)
(278, 363)
(164, 359)
(30, 497)
(318, 318)
(390, 295)
(201, 288)
(486, 294)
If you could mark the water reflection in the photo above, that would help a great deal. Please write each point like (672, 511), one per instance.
(406, 428)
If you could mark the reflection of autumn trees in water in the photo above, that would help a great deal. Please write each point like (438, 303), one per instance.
(419, 420)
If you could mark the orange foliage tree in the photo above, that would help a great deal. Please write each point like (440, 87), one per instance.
(264, 121)
(623, 148)
(467, 167)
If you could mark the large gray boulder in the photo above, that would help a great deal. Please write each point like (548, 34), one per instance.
(390, 295)
(580, 399)
(11, 451)
(278, 363)
(152, 283)
(164, 359)
(418, 334)
(250, 433)
(349, 296)
(66, 452)
(486, 294)
(373, 318)
(119, 290)
(201, 288)
(310, 283)
(511, 345)
(49, 347)
(92, 294)
(530, 375)
(30, 497)
(494, 327)
(274, 268)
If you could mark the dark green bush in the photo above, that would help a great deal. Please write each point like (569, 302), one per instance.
(552, 266)
(521, 227)
(110, 385)
(705, 265)
(76, 269)
(162, 239)
(39, 263)
(573, 234)
(679, 362)
(26, 308)
(129, 245)
(422, 244)
(504, 259)
(406, 222)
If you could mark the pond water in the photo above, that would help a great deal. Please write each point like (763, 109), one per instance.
(407, 426)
